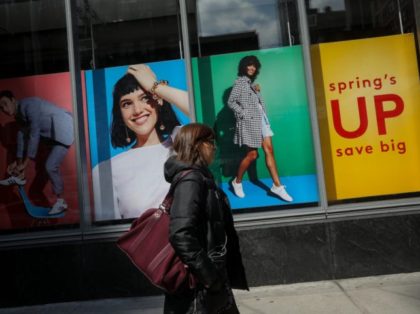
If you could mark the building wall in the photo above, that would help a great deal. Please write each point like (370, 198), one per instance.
(274, 255)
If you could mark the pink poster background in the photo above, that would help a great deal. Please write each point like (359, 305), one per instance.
(55, 88)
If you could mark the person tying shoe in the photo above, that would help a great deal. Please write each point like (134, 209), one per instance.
(39, 119)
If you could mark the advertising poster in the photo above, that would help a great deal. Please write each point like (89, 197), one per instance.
(281, 86)
(40, 127)
(368, 104)
(127, 177)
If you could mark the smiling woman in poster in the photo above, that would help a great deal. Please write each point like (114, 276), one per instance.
(142, 116)
(252, 128)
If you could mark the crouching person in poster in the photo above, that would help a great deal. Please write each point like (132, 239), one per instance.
(39, 119)
(202, 232)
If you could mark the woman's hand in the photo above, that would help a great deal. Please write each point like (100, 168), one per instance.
(17, 168)
(147, 78)
(11, 169)
(144, 75)
(21, 167)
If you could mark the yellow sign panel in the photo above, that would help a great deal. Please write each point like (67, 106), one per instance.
(368, 98)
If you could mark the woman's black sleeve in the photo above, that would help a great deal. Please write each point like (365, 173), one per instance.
(187, 214)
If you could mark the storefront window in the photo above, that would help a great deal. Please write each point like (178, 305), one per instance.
(337, 20)
(261, 118)
(232, 26)
(120, 32)
(367, 88)
(128, 45)
(33, 36)
(38, 183)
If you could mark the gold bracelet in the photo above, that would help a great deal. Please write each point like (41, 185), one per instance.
(155, 85)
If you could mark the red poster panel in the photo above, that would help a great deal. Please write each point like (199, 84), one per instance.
(40, 99)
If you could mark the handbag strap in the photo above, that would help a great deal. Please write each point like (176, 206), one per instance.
(167, 202)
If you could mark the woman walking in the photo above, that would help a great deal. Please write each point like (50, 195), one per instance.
(252, 127)
(201, 228)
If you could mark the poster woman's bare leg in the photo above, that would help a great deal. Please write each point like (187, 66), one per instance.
(277, 188)
(250, 157)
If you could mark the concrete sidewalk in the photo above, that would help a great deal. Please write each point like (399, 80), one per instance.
(391, 294)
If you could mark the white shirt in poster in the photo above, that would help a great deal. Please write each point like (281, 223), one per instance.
(131, 182)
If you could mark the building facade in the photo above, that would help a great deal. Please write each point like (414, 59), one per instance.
(340, 84)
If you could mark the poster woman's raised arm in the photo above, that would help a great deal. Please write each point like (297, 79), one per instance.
(147, 79)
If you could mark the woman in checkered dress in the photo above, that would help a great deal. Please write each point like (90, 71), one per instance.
(252, 127)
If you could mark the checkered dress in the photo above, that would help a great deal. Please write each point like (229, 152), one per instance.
(244, 100)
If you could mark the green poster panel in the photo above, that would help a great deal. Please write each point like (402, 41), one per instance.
(282, 83)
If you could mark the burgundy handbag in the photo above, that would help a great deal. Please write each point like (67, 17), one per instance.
(148, 247)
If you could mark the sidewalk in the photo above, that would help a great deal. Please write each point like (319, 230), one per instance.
(391, 294)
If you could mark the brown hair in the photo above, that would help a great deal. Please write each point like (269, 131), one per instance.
(189, 142)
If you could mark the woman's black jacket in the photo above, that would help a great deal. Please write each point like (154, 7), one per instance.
(200, 219)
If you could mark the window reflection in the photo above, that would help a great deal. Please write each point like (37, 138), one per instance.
(327, 5)
(124, 32)
(335, 20)
(33, 38)
(238, 25)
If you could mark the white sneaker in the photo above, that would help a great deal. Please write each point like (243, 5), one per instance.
(237, 188)
(58, 207)
(13, 180)
(280, 191)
